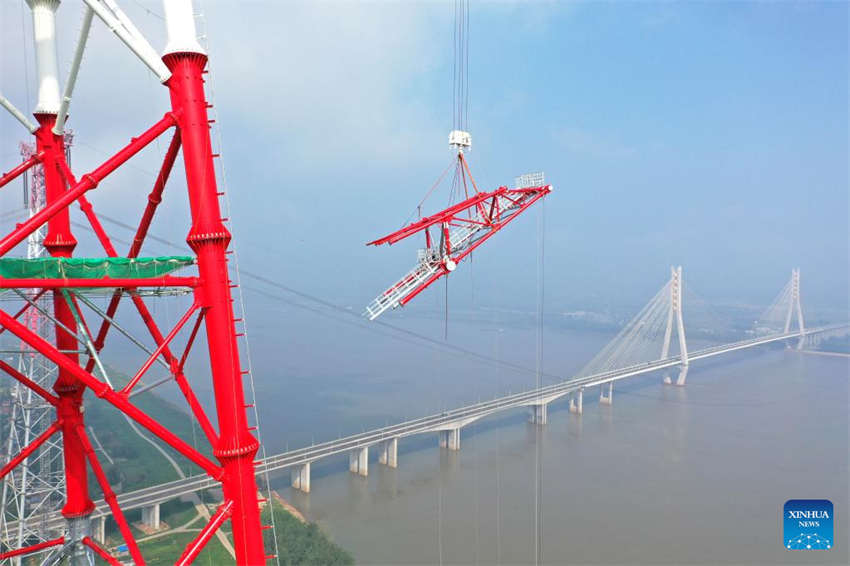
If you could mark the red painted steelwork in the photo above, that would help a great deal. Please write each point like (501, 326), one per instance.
(30, 549)
(13, 174)
(36, 388)
(482, 210)
(60, 242)
(105, 282)
(155, 354)
(208, 237)
(111, 560)
(108, 394)
(154, 198)
(110, 498)
(452, 214)
(27, 306)
(29, 449)
(87, 183)
(233, 445)
(194, 548)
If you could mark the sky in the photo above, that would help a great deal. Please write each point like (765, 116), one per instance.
(711, 135)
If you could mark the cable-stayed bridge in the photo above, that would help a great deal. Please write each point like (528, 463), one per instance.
(650, 331)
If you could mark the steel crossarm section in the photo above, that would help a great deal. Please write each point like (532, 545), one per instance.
(194, 548)
(113, 397)
(451, 213)
(87, 183)
(493, 227)
(476, 227)
(24, 166)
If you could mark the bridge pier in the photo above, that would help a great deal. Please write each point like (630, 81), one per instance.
(301, 477)
(150, 516)
(450, 438)
(606, 399)
(98, 528)
(358, 461)
(539, 413)
(680, 381)
(576, 402)
(389, 453)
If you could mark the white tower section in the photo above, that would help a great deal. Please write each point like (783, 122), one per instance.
(676, 312)
(44, 32)
(180, 25)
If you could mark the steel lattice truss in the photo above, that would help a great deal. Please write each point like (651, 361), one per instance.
(31, 491)
(459, 230)
(61, 354)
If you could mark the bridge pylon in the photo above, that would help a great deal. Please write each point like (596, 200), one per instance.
(780, 315)
(794, 305)
(675, 311)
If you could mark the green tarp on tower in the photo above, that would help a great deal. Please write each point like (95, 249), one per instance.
(91, 268)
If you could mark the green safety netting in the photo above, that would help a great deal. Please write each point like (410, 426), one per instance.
(91, 268)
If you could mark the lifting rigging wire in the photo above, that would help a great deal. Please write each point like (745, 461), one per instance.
(472, 216)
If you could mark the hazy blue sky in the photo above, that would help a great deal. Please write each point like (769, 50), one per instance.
(714, 135)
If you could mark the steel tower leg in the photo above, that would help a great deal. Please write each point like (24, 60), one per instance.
(60, 242)
(209, 238)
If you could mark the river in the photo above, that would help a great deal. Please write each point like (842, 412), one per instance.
(671, 475)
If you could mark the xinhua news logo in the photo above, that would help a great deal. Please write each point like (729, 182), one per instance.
(807, 524)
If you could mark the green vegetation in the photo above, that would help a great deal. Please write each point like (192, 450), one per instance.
(137, 464)
(300, 543)
(167, 549)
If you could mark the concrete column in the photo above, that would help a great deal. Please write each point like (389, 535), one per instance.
(540, 413)
(389, 453)
(576, 402)
(358, 461)
(99, 529)
(150, 516)
(301, 477)
(450, 439)
(683, 374)
(606, 399)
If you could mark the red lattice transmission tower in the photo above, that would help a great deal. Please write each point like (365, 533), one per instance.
(74, 345)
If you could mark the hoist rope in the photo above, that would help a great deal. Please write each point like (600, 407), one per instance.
(460, 66)
(238, 281)
(539, 412)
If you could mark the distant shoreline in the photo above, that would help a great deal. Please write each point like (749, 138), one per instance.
(289, 507)
(822, 353)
